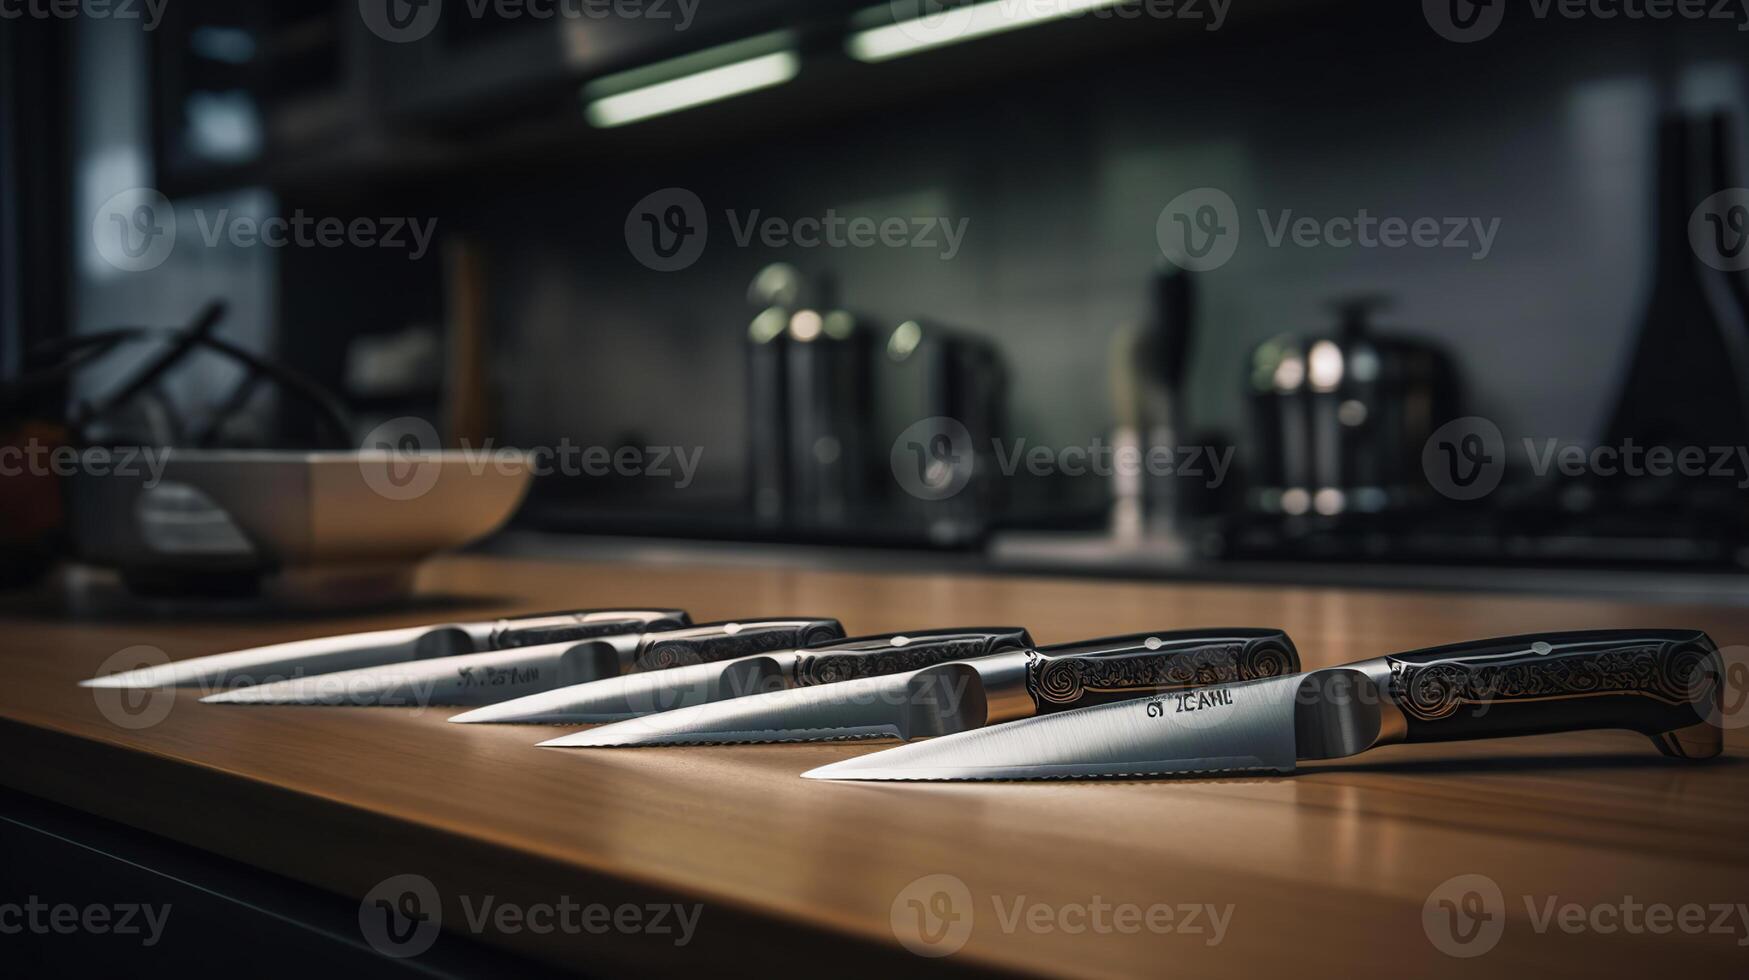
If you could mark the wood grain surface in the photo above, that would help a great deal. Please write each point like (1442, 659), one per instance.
(1335, 871)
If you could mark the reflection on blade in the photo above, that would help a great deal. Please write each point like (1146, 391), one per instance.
(466, 680)
(395, 685)
(276, 662)
(632, 695)
(1229, 729)
(948, 697)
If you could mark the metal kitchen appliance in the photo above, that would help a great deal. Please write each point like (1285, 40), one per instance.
(1339, 420)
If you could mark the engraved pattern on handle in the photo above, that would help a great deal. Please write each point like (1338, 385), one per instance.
(1058, 681)
(754, 638)
(1671, 673)
(830, 668)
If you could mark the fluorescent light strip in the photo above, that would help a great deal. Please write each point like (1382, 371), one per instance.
(956, 24)
(696, 89)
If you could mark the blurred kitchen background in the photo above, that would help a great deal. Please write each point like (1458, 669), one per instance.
(583, 284)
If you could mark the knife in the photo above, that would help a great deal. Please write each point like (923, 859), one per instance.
(482, 678)
(632, 695)
(1661, 683)
(327, 654)
(966, 694)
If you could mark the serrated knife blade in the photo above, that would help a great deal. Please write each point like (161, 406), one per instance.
(351, 651)
(1666, 684)
(870, 707)
(634, 695)
(966, 694)
(1238, 728)
(485, 678)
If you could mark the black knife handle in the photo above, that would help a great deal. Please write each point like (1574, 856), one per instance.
(1120, 668)
(584, 624)
(726, 641)
(893, 653)
(1667, 684)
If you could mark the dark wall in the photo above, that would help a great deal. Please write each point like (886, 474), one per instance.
(1061, 174)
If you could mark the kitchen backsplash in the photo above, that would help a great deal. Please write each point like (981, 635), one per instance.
(1038, 193)
(1058, 183)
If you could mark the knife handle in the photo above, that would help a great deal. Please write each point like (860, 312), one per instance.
(1121, 668)
(1667, 684)
(543, 628)
(727, 641)
(893, 653)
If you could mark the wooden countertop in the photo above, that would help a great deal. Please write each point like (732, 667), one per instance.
(1324, 873)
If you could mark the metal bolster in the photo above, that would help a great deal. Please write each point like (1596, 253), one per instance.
(626, 646)
(1005, 694)
(1393, 724)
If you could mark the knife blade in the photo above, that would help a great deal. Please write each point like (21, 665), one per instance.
(1665, 684)
(633, 695)
(482, 678)
(349, 651)
(966, 694)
